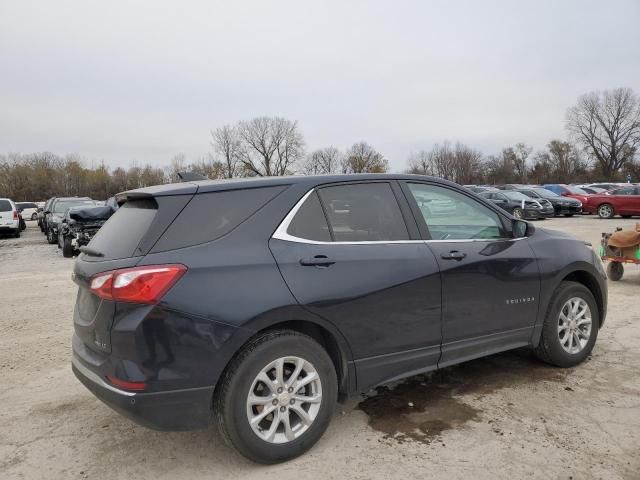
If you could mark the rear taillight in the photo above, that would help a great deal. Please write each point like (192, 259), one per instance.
(15, 215)
(137, 285)
(135, 386)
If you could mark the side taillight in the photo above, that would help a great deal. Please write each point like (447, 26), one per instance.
(145, 284)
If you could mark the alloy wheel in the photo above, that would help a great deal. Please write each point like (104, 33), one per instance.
(605, 211)
(284, 399)
(574, 325)
(517, 213)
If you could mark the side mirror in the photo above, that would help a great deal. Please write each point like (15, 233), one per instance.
(564, 194)
(47, 212)
(520, 228)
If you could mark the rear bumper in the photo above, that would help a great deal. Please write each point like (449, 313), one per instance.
(186, 409)
(10, 228)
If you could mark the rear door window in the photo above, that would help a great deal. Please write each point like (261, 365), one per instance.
(363, 212)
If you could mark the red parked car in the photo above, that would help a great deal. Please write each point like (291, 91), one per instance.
(623, 201)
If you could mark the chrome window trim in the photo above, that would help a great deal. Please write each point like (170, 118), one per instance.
(282, 234)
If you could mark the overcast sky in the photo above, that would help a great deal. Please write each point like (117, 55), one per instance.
(144, 81)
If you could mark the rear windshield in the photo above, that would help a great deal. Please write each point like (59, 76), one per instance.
(5, 206)
(121, 234)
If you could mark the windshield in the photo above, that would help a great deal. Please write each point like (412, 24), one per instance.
(515, 196)
(61, 207)
(543, 192)
(576, 190)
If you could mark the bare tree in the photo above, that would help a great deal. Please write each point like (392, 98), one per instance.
(271, 146)
(363, 158)
(323, 161)
(420, 163)
(607, 125)
(461, 163)
(561, 162)
(226, 143)
(467, 165)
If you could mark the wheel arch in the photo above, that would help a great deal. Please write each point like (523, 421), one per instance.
(299, 320)
(589, 280)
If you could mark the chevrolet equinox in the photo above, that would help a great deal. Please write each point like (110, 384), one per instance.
(263, 302)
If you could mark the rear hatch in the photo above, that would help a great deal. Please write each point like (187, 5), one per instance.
(121, 242)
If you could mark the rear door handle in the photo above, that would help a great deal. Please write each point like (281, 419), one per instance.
(453, 255)
(317, 261)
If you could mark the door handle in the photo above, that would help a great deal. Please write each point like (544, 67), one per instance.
(453, 255)
(317, 261)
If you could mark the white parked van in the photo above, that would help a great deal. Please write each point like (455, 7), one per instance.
(9, 218)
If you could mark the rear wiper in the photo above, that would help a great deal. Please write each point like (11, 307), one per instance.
(91, 252)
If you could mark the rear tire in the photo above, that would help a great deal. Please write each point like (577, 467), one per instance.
(606, 211)
(235, 401)
(34, 216)
(615, 271)
(565, 342)
(568, 214)
(67, 248)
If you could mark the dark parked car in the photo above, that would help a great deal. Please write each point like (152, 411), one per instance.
(79, 225)
(519, 205)
(267, 301)
(562, 205)
(55, 212)
(42, 218)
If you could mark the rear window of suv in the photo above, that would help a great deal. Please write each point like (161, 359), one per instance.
(5, 206)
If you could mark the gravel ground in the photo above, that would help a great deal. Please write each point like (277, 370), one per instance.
(507, 416)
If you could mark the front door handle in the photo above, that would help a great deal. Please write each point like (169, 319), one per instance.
(453, 255)
(317, 261)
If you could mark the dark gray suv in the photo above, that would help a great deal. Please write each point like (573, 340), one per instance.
(264, 302)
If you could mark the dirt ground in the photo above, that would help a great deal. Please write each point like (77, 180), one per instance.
(507, 416)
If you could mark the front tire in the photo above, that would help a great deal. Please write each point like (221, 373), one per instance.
(606, 211)
(50, 237)
(570, 327)
(291, 377)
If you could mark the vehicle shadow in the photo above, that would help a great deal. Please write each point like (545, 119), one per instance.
(422, 407)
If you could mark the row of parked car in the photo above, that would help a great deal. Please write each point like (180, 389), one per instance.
(534, 202)
(71, 222)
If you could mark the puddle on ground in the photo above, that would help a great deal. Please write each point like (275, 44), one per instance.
(422, 407)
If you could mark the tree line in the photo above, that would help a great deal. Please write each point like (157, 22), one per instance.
(603, 137)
